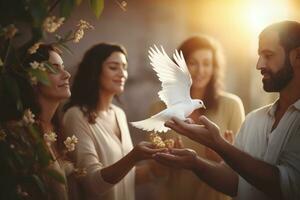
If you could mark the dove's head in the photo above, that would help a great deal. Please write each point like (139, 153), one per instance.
(197, 103)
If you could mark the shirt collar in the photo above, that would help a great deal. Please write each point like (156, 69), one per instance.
(273, 107)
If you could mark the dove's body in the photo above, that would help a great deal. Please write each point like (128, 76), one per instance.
(176, 83)
(156, 122)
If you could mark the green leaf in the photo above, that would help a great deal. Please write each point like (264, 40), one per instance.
(66, 7)
(50, 67)
(97, 7)
(41, 76)
(39, 183)
(56, 175)
(34, 132)
(65, 47)
(38, 10)
(43, 155)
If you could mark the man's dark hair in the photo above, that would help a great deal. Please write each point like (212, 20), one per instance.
(289, 34)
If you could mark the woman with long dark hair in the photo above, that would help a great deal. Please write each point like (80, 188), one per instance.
(105, 149)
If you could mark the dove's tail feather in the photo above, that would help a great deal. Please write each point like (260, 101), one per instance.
(150, 124)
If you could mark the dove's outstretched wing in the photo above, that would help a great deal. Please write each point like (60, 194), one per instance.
(176, 83)
(154, 123)
(175, 77)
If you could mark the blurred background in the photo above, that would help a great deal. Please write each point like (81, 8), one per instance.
(138, 24)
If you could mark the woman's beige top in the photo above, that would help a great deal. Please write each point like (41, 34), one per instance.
(183, 184)
(99, 147)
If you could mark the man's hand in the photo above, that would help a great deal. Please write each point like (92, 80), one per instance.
(206, 133)
(177, 158)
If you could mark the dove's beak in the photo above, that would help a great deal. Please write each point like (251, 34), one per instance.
(204, 106)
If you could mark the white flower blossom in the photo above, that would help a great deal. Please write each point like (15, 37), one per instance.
(78, 35)
(51, 24)
(70, 143)
(37, 65)
(42, 67)
(82, 25)
(34, 65)
(28, 117)
(50, 137)
(34, 48)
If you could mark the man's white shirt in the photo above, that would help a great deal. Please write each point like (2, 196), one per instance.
(280, 147)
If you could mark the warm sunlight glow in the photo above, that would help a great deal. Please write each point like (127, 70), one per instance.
(261, 13)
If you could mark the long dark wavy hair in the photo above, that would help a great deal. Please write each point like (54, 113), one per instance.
(212, 91)
(86, 86)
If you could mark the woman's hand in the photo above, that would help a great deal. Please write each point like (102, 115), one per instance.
(144, 150)
(177, 158)
(178, 143)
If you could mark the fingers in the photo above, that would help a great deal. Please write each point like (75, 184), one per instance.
(168, 159)
(145, 143)
(211, 126)
(165, 162)
(229, 136)
(154, 150)
(178, 143)
(182, 152)
(149, 148)
(175, 127)
(189, 121)
(182, 123)
(178, 125)
(178, 158)
(166, 156)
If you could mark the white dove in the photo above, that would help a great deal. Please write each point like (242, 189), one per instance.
(176, 83)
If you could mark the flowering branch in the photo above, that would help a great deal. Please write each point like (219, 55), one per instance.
(25, 156)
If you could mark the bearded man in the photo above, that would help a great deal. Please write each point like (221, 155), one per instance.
(264, 162)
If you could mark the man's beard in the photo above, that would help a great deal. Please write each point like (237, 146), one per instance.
(278, 80)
